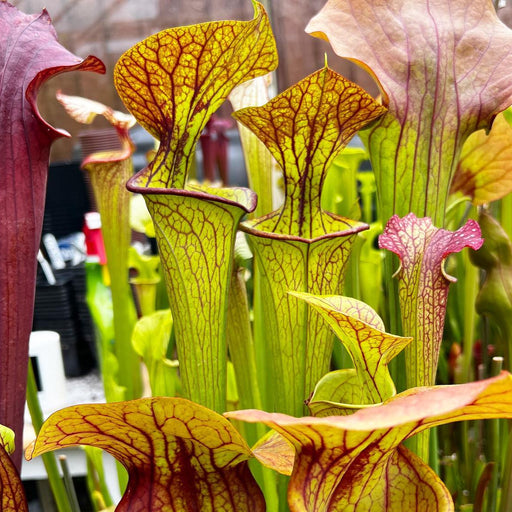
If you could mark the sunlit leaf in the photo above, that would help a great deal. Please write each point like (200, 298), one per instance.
(300, 247)
(29, 56)
(179, 455)
(484, 171)
(174, 80)
(140, 218)
(195, 231)
(259, 162)
(275, 452)
(146, 268)
(423, 285)
(337, 393)
(362, 332)
(356, 463)
(445, 71)
(304, 128)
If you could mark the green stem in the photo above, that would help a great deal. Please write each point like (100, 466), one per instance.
(506, 215)
(494, 446)
(506, 486)
(57, 485)
(471, 288)
(68, 481)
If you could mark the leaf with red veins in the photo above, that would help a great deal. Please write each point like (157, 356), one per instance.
(484, 170)
(174, 80)
(304, 128)
(300, 247)
(445, 71)
(362, 333)
(195, 229)
(423, 285)
(12, 494)
(179, 455)
(275, 452)
(356, 463)
(29, 56)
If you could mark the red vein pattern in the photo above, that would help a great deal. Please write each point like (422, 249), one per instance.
(445, 71)
(423, 285)
(300, 247)
(355, 463)
(362, 333)
(174, 80)
(179, 455)
(195, 231)
(11, 489)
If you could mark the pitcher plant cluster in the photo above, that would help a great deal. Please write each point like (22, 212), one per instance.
(306, 350)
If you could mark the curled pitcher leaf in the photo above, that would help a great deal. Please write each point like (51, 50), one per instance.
(29, 56)
(195, 232)
(174, 80)
(445, 72)
(12, 495)
(179, 455)
(362, 332)
(356, 463)
(301, 247)
(108, 173)
(484, 170)
(305, 128)
(423, 285)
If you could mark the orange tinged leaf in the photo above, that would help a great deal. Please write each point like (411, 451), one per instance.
(179, 455)
(356, 463)
(174, 80)
(484, 171)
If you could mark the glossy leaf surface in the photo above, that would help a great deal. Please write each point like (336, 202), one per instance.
(445, 71)
(362, 332)
(484, 170)
(174, 80)
(179, 455)
(356, 463)
(29, 56)
(12, 495)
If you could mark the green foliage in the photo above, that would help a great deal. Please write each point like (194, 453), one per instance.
(260, 332)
